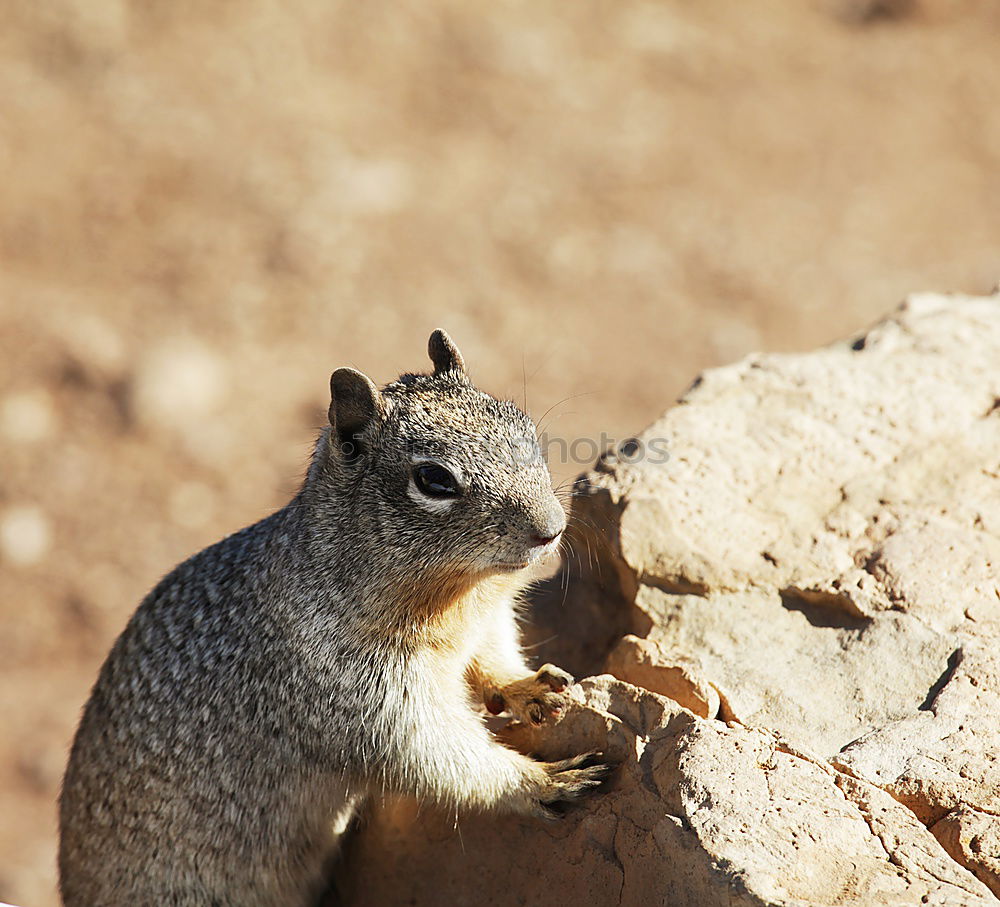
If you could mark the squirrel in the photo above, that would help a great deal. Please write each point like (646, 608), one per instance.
(343, 646)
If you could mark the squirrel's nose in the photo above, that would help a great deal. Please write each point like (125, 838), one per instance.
(539, 540)
(549, 527)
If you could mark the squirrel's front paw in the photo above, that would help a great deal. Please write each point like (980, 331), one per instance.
(568, 780)
(535, 699)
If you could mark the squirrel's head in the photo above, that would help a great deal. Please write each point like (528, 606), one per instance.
(453, 478)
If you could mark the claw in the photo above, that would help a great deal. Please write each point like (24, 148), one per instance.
(571, 779)
(556, 678)
(554, 811)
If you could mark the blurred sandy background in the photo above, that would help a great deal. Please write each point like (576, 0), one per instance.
(206, 206)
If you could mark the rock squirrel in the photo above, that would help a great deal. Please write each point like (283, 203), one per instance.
(342, 646)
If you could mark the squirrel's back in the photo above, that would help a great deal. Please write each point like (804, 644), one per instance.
(205, 672)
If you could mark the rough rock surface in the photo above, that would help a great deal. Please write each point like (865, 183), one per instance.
(973, 838)
(700, 813)
(944, 756)
(811, 578)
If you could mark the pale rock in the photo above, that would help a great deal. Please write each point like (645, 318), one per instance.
(645, 663)
(973, 839)
(824, 542)
(827, 527)
(940, 569)
(946, 755)
(768, 449)
(698, 813)
(818, 677)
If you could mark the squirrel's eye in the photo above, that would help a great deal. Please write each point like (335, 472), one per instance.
(435, 481)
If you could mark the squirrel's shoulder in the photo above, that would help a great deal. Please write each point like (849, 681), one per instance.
(254, 549)
(225, 579)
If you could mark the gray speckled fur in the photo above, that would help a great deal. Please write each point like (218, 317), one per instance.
(272, 680)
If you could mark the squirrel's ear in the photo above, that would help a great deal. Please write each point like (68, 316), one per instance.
(354, 402)
(444, 354)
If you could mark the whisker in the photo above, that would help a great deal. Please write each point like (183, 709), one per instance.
(524, 383)
(541, 643)
(561, 402)
(569, 412)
